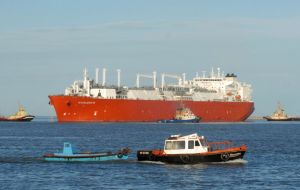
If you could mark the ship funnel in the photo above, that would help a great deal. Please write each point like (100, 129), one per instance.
(97, 75)
(119, 77)
(103, 77)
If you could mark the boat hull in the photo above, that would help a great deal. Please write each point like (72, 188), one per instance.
(21, 119)
(277, 119)
(180, 121)
(88, 109)
(218, 156)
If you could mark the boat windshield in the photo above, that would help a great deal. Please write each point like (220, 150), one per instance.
(174, 145)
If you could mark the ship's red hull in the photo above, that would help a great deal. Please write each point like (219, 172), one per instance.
(87, 109)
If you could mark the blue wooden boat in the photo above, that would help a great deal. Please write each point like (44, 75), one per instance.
(69, 156)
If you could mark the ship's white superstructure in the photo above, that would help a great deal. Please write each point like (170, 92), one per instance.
(215, 87)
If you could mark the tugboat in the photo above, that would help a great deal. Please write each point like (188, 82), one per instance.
(69, 156)
(193, 149)
(278, 115)
(21, 115)
(183, 115)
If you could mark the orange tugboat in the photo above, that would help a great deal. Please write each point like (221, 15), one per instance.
(193, 149)
(21, 115)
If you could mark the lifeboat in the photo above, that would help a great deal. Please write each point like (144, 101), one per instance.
(193, 149)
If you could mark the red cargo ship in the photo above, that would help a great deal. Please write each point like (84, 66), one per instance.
(216, 98)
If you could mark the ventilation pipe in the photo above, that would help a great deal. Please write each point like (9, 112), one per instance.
(119, 77)
(138, 80)
(97, 75)
(154, 79)
(183, 78)
(103, 77)
(219, 72)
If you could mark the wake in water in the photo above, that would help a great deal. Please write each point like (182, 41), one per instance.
(20, 159)
(231, 162)
(237, 161)
(150, 162)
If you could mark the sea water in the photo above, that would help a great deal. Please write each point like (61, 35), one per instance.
(271, 161)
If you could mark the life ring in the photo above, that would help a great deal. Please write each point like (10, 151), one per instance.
(185, 159)
(225, 156)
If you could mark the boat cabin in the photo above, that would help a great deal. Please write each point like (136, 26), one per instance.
(190, 144)
(67, 150)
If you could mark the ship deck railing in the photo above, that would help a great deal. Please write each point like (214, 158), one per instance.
(220, 145)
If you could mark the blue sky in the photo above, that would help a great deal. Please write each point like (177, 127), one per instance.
(44, 45)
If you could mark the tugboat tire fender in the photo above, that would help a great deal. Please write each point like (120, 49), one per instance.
(225, 156)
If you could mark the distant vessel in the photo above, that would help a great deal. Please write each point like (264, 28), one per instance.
(192, 149)
(213, 98)
(278, 115)
(183, 115)
(69, 156)
(21, 115)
